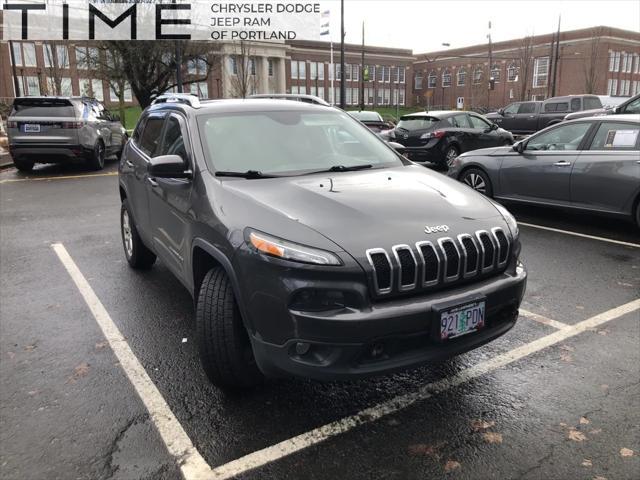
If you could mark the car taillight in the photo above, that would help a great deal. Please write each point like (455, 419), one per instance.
(435, 134)
(12, 124)
(72, 124)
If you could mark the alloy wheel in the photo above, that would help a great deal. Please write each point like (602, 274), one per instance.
(451, 155)
(127, 234)
(476, 182)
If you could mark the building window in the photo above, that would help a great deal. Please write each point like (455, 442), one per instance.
(401, 74)
(612, 61)
(338, 72)
(625, 88)
(636, 87)
(29, 57)
(446, 78)
(623, 57)
(355, 75)
(637, 63)
(33, 86)
(384, 74)
(355, 94)
(418, 81)
(313, 70)
(462, 77)
(270, 67)
(431, 80)
(612, 87)
(540, 71)
(197, 66)
(233, 66)
(347, 73)
(387, 96)
(96, 89)
(511, 94)
(200, 89)
(628, 70)
(294, 70)
(17, 54)
(252, 66)
(401, 99)
(65, 87)
(85, 87)
(616, 63)
(380, 96)
(512, 73)
(495, 72)
(302, 70)
(477, 75)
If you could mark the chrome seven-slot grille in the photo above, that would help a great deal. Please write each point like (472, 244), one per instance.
(446, 260)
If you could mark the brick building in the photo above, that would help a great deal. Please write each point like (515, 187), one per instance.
(600, 60)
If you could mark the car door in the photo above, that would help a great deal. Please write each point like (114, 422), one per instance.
(606, 175)
(509, 116)
(144, 145)
(460, 131)
(484, 135)
(170, 199)
(526, 120)
(542, 172)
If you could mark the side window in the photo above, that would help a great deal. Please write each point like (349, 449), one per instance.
(150, 137)
(575, 104)
(565, 137)
(477, 122)
(556, 107)
(591, 103)
(138, 130)
(528, 107)
(461, 121)
(616, 136)
(173, 143)
(513, 108)
(633, 107)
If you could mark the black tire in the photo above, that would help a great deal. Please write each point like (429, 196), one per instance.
(450, 154)
(96, 160)
(478, 180)
(225, 349)
(23, 165)
(137, 254)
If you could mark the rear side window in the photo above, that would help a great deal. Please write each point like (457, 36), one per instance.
(150, 137)
(528, 107)
(616, 136)
(43, 108)
(591, 103)
(477, 122)
(556, 107)
(575, 104)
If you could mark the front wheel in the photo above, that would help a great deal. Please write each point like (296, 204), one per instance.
(96, 160)
(137, 254)
(478, 180)
(225, 349)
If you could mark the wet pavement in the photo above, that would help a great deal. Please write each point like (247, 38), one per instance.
(67, 409)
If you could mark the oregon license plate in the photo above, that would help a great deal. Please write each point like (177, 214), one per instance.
(31, 128)
(461, 320)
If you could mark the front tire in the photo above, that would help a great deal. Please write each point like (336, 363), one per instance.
(23, 165)
(225, 349)
(478, 180)
(137, 254)
(96, 160)
(450, 154)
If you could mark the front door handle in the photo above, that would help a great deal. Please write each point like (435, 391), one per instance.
(129, 163)
(152, 182)
(638, 161)
(562, 163)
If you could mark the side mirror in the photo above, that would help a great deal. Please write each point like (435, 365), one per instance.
(518, 147)
(168, 166)
(617, 109)
(501, 111)
(397, 147)
(491, 128)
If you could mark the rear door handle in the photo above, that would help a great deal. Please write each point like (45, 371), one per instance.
(152, 182)
(562, 163)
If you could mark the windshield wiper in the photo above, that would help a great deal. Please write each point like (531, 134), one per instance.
(247, 174)
(342, 168)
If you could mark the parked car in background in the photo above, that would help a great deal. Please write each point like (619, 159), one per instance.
(631, 105)
(373, 120)
(62, 129)
(588, 164)
(524, 118)
(440, 136)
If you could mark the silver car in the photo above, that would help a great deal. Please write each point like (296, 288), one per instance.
(588, 164)
(62, 129)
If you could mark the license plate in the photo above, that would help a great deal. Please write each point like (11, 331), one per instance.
(31, 128)
(460, 320)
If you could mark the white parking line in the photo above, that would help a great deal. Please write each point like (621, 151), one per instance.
(583, 235)
(178, 443)
(543, 320)
(194, 467)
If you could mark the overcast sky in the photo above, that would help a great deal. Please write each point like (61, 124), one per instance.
(423, 25)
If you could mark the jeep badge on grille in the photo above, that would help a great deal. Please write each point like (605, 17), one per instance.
(437, 228)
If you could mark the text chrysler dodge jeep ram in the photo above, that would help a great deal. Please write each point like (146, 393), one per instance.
(310, 246)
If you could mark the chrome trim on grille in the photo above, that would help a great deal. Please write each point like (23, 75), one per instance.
(408, 286)
(369, 253)
(452, 278)
(473, 272)
(494, 231)
(484, 269)
(430, 283)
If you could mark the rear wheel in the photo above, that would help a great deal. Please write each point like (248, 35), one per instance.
(137, 254)
(96, 160)
(478, 180)
(450, 155)
(23, 165)
(225, 349)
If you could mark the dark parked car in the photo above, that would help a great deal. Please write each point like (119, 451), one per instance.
(632, 105)
(588, 164)
(62, 129)
(313, 249)
(440, 136)
(528, 117)
(373, 120)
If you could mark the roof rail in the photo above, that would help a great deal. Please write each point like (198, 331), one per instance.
(293, 96)
(184, 98)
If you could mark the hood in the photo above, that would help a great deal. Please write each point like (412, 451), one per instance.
(376, 208)
(492, 115)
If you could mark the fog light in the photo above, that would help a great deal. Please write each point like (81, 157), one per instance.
(302, 348)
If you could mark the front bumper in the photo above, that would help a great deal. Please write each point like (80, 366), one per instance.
(49, 153)
(387, 336)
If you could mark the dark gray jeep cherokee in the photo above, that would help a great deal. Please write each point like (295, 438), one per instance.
(310, 246)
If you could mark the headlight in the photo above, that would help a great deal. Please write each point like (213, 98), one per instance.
(276, 247)
(510, 219)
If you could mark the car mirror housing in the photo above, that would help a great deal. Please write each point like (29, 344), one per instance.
(168, 166)
(518, 147)
(397, 147)
(501, 111)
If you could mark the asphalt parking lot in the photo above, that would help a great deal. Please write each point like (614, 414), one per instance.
(558, 397)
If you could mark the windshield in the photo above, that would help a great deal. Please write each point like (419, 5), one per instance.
(366, 116)
(290, 142)
(417, 123)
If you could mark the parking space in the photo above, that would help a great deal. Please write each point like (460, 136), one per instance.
(540, 402)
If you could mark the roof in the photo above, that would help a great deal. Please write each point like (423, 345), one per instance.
(568, 97)
(435, 113)
(240, 105)
(625, 117)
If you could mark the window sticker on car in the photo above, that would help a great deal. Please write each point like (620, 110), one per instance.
(621, 138)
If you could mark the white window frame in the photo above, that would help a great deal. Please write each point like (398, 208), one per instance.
(32, 48)
(461, 74)
(540, 79)
(446, 74)
(512, 72)
(432, 79)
